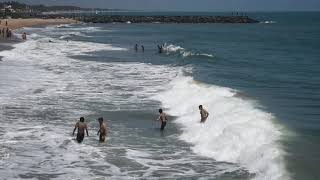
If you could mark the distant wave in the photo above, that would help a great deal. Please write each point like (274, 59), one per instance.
(72, 34)
(61, 47)
(89, 29)
(268, 22)
(175, 49)
(64, 26)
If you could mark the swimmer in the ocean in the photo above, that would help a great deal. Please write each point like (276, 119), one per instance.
(163, 119)
(204, 114)
(81, 125)
(102, 130)
(136, 47)
(160, 49)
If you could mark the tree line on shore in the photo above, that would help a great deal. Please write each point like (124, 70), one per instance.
(21, 7)
(16, 9)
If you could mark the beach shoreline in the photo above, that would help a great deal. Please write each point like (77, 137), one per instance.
(19, 23)
(13, 24)
(7, 26)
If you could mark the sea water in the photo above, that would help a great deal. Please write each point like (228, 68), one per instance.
(259, 82)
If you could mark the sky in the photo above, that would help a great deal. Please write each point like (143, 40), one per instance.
(190, 5)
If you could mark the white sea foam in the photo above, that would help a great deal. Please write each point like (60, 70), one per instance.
(157, 163)
(236, 130)
(268, 22)
(33, 49)
(88, 29)
(49, 148)
(174, 49)
(65, 31)
(49, 73)
(64, 26)
(111, 81)
(71, 34)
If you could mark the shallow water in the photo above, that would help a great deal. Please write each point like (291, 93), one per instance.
(259, 83)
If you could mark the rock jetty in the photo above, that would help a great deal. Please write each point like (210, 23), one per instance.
(166, 19)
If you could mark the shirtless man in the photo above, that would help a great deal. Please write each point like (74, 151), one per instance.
(160, 48)
(81, 125)
(204, 114)
(163, 119)
(102, 130)
(136, 47)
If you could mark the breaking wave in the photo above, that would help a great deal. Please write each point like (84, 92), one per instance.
(237, 130)
(174, 49)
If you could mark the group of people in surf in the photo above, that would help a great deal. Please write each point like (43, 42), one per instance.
(160, 48)
(82, 127)
(102, 132)
(136, 48)
(5, 32)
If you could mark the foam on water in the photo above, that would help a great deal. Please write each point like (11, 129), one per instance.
(174, 49)
(38, 114)
(55, 84)
(268, 22)
(236, 131)
(33, 49)
(52, 152)
(64, 26)
(121, 79)
(64, 31)
(72, 34)
(49, 92)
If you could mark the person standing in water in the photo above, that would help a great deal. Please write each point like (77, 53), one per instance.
(136, 47)
(24, 36)
(204, 114)
(81, 125)
(102, 130)
(160, 49)
(142, 48)
(163, 119)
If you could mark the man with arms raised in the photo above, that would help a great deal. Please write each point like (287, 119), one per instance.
(204, 114)
(81, 125)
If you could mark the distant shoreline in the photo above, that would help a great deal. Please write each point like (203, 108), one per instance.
(13, 24)
(19, 23)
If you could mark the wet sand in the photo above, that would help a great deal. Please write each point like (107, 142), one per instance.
(6, 43)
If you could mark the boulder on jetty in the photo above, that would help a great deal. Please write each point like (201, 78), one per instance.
(166, 19)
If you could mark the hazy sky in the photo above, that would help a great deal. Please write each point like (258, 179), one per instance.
(191, 5)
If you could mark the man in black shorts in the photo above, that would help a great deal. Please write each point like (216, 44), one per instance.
(81, 125)
(163, 119)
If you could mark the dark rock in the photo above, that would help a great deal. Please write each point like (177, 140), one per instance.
(167, 19)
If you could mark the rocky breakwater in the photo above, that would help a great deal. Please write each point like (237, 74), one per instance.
(166, 19)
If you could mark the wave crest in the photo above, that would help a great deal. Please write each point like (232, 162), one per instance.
(174, 49)
(236, 131)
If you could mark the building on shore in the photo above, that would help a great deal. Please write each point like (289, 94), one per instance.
(8, 8)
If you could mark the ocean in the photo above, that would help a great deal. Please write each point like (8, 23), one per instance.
(259, 82)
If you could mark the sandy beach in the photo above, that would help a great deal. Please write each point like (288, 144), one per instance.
(18, 23)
